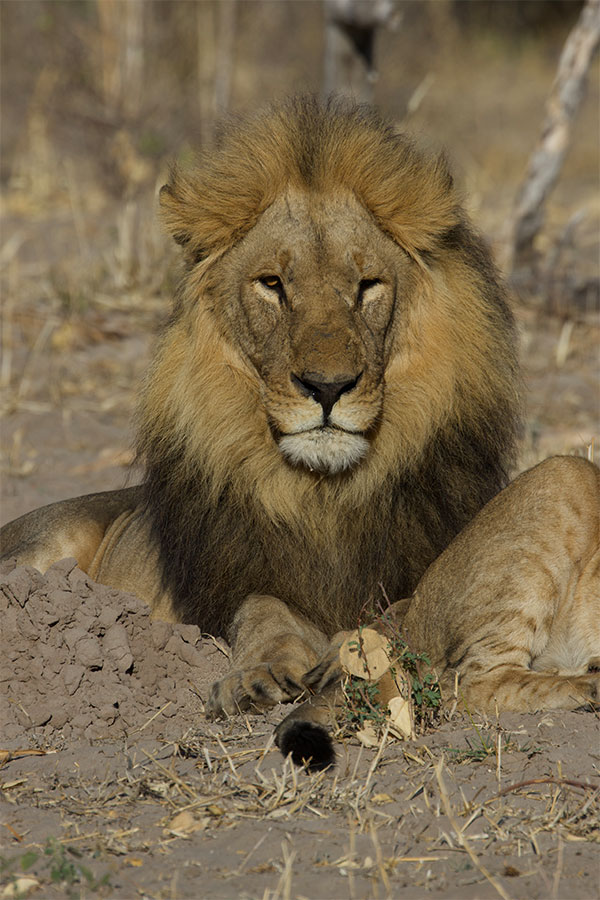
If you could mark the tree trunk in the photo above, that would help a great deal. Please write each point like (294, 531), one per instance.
(215, 24)
(546, 162)
(122, 47)
(350, 33)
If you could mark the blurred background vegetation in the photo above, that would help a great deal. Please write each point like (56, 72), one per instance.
(99, 96)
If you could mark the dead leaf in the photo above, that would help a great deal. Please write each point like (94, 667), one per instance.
(215, 810)
(368, 736)
(184, 824)
(7, 755)
(380, 799)
(365, 655)
(20, 887)
(393, 683)
(401, 717)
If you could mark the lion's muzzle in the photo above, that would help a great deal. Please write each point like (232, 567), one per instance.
(324, 438)
(327, 450)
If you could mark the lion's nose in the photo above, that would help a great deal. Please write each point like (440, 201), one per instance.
(327, 393)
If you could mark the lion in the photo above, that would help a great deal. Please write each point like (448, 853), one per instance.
(334, 397)
(509, 612)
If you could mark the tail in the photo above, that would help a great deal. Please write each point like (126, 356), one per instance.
(304, 733)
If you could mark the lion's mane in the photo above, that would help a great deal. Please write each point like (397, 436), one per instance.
(229, 514)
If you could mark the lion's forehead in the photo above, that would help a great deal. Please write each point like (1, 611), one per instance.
(306, 233)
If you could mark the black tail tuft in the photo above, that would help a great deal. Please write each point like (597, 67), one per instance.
(309, 744)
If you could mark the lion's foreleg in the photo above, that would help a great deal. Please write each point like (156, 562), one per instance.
(273, 648)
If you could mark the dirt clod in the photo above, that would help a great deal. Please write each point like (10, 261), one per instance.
(87, 662)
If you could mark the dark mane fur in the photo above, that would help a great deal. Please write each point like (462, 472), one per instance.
(214, 555)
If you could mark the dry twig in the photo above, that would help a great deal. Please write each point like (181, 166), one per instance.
(549, 780)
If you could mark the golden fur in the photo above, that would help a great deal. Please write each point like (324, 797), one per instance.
(301, 145)
(454, 359)
(510, 611)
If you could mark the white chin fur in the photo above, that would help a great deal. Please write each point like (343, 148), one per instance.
(324, 450)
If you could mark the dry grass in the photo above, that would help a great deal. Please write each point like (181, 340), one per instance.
(211, 782)
(227, 787)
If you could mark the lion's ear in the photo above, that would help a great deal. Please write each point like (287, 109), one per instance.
(175, 213)
(167, 202)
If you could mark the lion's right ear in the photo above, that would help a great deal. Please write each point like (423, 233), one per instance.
(168, 204)
(175, 213)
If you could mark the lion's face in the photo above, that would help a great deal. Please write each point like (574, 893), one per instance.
(309, 297)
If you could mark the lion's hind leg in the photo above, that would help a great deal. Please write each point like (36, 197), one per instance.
(75, 527)
(273, 648)
(513, 687)
(574, 643)
(505, 671)
(557, 675)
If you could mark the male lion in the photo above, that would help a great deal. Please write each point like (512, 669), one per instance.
(333, 398)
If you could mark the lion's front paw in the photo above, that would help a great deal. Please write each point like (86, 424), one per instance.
(257, 688)
(328, 671)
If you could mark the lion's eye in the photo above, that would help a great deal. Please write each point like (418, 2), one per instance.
(272, 282)
(364, 285)
(274, 286)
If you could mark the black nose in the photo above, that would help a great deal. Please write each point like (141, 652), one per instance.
(327, 393)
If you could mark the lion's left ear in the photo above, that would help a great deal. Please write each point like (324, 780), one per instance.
(175, 212)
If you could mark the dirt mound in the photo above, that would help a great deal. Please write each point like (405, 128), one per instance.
(83, 660)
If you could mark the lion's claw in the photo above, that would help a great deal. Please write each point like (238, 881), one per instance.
(328, 671)
(258, 688)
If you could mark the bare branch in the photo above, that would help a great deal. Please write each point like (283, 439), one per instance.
(546, 162)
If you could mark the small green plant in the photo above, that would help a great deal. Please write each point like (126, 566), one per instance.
(362, 702)
(425, 689)
(58, 862)
(476, 752)
(482, 748)
(63, 869)
(362, 697)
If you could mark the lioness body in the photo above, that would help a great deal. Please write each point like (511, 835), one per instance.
(513, 604)
(509, 613)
